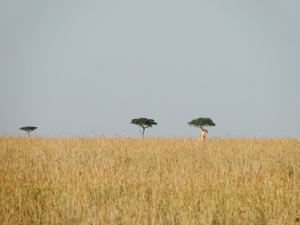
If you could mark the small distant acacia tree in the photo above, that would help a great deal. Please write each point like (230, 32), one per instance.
(143, 123)
(28, 129)
(201, 122)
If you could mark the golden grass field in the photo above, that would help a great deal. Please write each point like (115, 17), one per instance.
(149, 181)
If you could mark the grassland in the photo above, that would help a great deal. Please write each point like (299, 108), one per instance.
(149, 181)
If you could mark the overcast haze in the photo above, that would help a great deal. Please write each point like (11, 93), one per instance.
(88, 67)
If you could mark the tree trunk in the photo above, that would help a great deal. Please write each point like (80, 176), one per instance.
(143, 133)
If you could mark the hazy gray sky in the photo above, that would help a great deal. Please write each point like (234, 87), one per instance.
(89, 67)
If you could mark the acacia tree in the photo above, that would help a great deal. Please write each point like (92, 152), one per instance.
(28, 129)
(143, 123)
(201, 122)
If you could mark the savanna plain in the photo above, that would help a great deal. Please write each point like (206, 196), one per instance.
(105, 180)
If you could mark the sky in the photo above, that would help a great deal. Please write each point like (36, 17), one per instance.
(87, 68)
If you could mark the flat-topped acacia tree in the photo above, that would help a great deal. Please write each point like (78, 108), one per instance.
(201, 122)
(28, 129)
(143, 123)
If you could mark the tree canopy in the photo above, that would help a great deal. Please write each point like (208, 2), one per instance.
(28, 129)
(201, 122)
(143, 123)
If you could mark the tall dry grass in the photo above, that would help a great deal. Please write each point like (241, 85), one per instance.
(149, 181)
